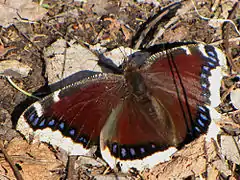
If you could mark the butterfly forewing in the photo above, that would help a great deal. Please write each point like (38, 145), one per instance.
(77, 112)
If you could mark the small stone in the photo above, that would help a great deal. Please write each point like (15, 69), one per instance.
(14, 68)
(235, 98)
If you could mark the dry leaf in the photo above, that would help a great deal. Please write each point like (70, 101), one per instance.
(36, 161)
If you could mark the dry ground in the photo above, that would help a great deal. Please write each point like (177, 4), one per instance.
(109, 24)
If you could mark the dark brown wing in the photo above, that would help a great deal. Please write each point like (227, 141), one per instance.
(174, 111)
(76, 113)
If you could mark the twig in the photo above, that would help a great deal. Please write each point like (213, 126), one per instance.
(70, 167)
(9, 160)
(19, 89)
(216, 20)
(232, 124)
(149, 27)
(221, 41)
(227, 92)
(173, 20)
(153, 23)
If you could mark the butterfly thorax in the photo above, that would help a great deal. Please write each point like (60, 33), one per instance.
(135, 84)
(138, 92)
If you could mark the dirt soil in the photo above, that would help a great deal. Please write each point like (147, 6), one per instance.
(106, 25)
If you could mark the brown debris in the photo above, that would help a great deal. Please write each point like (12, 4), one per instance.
(35, 161)
(192, 160)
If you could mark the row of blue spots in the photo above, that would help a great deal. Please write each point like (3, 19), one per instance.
(129, 151)
(204, 81)
(62, 127)
(124, 151)
(212, 57)
(83, 140)
(211, 62)
(33, 118)
(202, 119)
(41, 122)
(71, 132)
(132, 152)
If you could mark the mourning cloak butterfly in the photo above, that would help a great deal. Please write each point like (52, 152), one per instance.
(139, 118)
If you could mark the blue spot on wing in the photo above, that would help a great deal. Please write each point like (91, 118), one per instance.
(211, 64)
(51, 123)
(72, 132)
(114, 148)
(132, 151)
(206, 68)
(213, 59)
(42, 123)
(210, 53)
(32, 117)
(61, 126)
(203, 75)
(204, 85)
(196, 128)
(203, 117)
(35, 122)
(200, 123)
(201, 108)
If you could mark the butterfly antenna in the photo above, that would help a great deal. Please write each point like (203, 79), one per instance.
(170, 62)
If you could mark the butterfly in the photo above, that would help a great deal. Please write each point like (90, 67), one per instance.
(138, 118)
